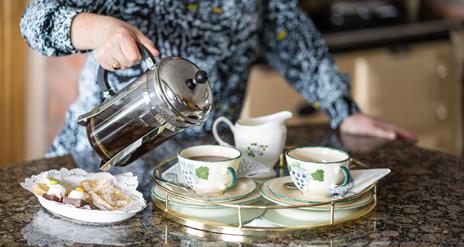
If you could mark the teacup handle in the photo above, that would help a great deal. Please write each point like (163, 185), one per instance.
(346, 175)
(215, 132)
(233, 177)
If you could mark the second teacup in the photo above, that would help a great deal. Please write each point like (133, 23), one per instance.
(316, 171)
(209, 169)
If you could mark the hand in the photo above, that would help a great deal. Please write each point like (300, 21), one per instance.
(360, 124)
(113, 40)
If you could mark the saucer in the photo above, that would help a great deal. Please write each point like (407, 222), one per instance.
(159, 194)
(264, 175)
(344, 205)
(277, 188)
(244, 187)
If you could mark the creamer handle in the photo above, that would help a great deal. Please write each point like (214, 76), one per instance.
(215, 132)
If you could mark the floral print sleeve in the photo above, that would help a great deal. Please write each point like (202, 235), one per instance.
(296, 49)
(46, 24)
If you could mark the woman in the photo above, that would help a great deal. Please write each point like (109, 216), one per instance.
(222, 37)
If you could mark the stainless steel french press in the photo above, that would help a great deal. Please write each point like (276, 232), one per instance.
(172, 95)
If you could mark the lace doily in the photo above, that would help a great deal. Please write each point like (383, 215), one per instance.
(126, 182)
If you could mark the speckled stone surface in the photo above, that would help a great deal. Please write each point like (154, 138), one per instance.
(421, 203)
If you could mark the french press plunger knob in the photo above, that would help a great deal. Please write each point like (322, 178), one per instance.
(200, 77)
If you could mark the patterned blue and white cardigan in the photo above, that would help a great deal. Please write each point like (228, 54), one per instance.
(222, 37)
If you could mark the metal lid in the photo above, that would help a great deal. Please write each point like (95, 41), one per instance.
(185, 88)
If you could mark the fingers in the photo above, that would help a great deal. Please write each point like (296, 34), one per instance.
(360, 124)
(104, 59)
(407, 135)
(147, 43)
(368, 127)
(131, 52)
(122, 48)
(401, 133)
(110, 52)
(115, 60)
(383, 133)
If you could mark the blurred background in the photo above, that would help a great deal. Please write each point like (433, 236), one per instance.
(405, 58)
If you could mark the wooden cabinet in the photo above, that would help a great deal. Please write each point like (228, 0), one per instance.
(418, 87)
(12, 83)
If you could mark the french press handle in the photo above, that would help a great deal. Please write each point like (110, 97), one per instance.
(102, 74)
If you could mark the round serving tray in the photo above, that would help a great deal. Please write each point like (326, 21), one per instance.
(256, 218)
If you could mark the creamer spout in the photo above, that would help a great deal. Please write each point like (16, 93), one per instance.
(281, 116)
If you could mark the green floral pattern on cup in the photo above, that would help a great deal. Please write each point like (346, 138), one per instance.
(318, 175)
(255, 149)
(202, 172)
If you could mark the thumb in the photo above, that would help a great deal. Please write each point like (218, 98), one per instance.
(147, 43)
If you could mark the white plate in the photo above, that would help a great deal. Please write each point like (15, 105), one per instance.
(346, 205)
(218, 215)
(298, 217)
(86, 215)
(126, 182)
(213, 213)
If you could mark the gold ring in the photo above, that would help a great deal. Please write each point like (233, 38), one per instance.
(116, 66)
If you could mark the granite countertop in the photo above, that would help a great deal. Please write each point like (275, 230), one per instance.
(420, 203)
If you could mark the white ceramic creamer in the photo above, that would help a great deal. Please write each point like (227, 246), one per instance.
(261, 138)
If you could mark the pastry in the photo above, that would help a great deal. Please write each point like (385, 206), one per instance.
(55, 192)
(105, 195)
(39, 189)
(89, 185)
(77, 197)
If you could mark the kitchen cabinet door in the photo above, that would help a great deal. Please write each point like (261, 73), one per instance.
(418, 88)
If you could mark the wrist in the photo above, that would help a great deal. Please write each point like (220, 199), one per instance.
(84, 31)
(341, 109)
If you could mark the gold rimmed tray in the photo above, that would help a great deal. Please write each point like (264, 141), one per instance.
(255, 218)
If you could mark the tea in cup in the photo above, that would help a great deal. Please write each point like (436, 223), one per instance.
(209, 169)
(316, 171)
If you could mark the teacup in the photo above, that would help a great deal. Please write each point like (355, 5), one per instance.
(317, 171)
(209, 169)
